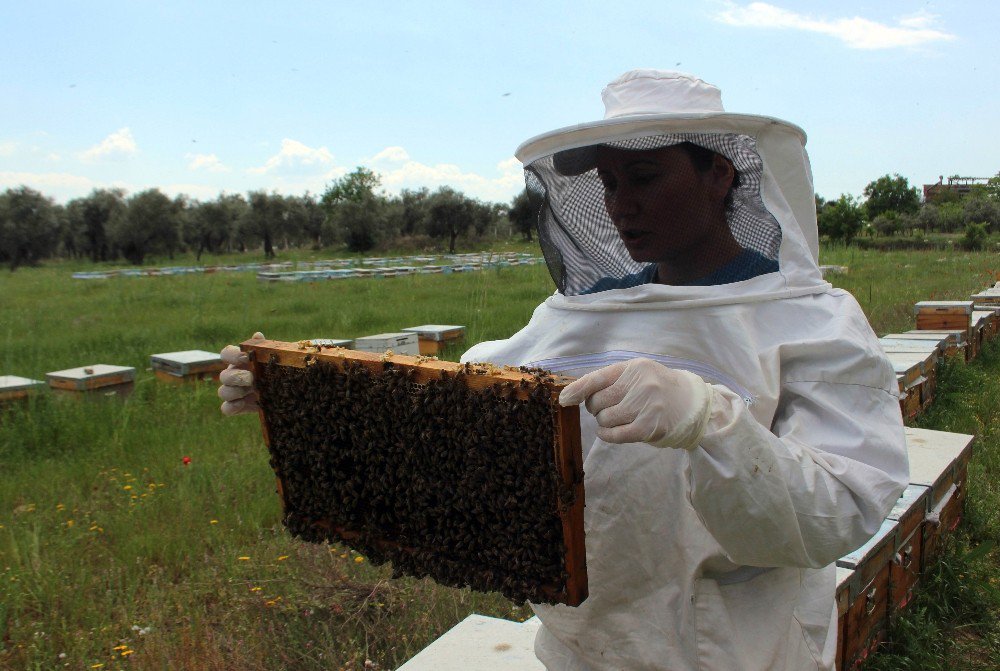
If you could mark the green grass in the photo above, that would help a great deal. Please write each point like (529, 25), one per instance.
(107, 539)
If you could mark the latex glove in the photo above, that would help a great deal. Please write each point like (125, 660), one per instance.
(237, 390)
(642, 401)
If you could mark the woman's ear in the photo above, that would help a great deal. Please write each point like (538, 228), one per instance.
(721, 175)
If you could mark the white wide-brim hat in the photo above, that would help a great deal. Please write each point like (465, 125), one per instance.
(641, 103)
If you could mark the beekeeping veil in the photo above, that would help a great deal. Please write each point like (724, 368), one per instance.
(578, 177)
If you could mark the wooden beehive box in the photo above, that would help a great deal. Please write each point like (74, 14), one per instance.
(961, 338)
(187, 366)
(943, 314)
(987, 320)
(987, 297)
(96, 378)
(13, 387)
(868, 610)
(433, 338)
(470, 474)
(939, 460)
(947, 343)
(910, 512)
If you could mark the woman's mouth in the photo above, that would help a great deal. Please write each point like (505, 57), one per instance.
(630, 235)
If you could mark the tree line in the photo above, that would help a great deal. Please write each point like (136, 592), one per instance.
(108, 224)
(891, 207)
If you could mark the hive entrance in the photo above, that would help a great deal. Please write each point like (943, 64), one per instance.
(471, 475)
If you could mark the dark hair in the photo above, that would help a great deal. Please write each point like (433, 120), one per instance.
(702, 159)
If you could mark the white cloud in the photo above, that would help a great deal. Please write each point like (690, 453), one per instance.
(209, 162)
(294, 154)
(855, 32)
(391, 155)
(413, 174)
(60, 185)
(119, 143)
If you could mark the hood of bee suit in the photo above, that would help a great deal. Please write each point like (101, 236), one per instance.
(772, 212)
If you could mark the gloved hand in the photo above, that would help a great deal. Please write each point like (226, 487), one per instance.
(237, 390)
(642, 401)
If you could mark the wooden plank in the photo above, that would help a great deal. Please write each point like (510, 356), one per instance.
(422, 376)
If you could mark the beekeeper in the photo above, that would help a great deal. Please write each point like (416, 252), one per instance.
(742, 430)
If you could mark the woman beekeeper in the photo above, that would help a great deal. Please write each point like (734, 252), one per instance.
(742, 429)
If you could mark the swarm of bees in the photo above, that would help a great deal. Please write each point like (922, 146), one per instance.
(440, 479)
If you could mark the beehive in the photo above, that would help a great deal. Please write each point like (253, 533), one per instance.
(13, 387)
(948, 343)
(399, 343)
(187, 366)
(97, 378)
(909, 512)
(960, 337)
(433, 338)
(470, 474)
(868, 609)
(939, 460)
(943, 314)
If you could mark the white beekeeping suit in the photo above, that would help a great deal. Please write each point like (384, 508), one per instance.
(719, 555)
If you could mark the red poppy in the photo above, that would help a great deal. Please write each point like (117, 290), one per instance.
(186, 460)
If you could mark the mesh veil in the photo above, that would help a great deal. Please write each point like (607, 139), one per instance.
(584, 250)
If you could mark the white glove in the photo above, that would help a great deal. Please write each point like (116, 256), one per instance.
(642, 401)
(237, 390)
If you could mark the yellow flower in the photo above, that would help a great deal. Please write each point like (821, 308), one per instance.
(126, 653)
(256, 589)
(282, 557)
(127, 487)
(69, 523)
(213, 521)
(60, 506)
(358, 560)
(244, 558)
(97, 666)
(120, 647)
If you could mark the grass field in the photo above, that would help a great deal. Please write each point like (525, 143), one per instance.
(114, 552)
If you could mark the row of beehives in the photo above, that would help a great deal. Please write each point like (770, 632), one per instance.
(192, 365)
(450, 260)
(879, 579)
(392, 271)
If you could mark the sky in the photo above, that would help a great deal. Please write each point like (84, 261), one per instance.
(200, 97)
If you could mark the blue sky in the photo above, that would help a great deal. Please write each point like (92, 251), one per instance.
(203, 97)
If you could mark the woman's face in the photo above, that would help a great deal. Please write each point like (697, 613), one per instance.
(662, 206)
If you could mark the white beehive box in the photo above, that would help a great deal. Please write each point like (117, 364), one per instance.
(399, 343)
(434, 337)
(189, 364)
(14, 386)
(96, 377)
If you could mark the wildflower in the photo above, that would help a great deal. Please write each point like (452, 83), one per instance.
(244, 558)
(127, 487)
(213, 521)
(69, 523)
(60, 506)
(256, 589)
(282, 557)
(358, 560)
(97, 666)
(186, 460)
(126, 653)
(120, 647)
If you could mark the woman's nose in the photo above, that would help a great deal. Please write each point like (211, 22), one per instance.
(621, 204)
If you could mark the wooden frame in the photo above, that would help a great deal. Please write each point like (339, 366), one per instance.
(567, 453)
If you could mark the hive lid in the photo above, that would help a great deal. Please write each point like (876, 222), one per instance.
(933, 453)
(926, 336)
(17, 383)
(960, 335)
(89, 372)
(187, 356)
(905, 345)
(331, 342)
